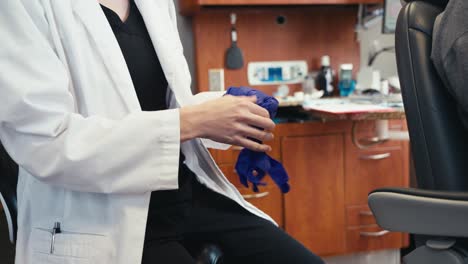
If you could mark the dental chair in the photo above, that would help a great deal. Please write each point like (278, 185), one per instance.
(208, 254)
(437, 212)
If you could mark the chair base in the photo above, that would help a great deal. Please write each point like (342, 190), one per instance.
(427, 255)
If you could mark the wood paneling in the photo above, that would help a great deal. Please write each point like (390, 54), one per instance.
(314, 208)
(308, 34)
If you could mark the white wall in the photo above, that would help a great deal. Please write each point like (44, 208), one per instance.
(385, 62)
(186, 35)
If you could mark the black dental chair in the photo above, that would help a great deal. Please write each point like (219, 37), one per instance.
(209, 254)
(436, 212)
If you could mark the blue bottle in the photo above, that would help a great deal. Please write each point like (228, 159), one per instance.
(346, 84)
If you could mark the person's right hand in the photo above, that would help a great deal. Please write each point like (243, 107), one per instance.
(234, 120)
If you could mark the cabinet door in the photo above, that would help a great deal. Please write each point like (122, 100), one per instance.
(314, 208)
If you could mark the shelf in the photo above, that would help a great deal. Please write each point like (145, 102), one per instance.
(191, 7)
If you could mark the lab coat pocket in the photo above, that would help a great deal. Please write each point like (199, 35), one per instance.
(67, 247)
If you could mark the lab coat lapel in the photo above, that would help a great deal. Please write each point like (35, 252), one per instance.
(164, 38)
(93, 18)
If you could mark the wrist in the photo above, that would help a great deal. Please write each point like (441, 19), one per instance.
(190, 127)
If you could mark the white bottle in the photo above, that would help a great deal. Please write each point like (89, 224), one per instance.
(308, 86)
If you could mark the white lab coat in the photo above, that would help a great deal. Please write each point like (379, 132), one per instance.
(69, 116)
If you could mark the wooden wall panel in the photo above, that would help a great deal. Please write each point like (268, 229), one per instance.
(309, 33)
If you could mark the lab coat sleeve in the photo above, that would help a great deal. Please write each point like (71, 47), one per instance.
(41, 130)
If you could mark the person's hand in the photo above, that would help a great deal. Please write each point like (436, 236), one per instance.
(234, 120)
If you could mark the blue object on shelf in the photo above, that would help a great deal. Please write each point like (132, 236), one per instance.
(347, 87)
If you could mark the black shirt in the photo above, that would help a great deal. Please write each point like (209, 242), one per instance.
(167, 209)
(142, 61)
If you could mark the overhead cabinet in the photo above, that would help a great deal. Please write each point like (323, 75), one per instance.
(190, 7)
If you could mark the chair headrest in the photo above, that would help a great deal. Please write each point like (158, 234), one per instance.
(441, 3)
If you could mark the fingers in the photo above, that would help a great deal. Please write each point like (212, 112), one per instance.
(250, 102)
(254, 108)
(261, 122)
(252, 99)
(258, 110)
(252, 145)
(255, 133)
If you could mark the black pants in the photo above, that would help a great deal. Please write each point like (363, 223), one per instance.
(212, 218)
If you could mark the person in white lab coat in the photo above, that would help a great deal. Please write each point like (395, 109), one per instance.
(91, 154)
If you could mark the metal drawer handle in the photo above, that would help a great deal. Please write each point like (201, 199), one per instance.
(255, 196)
(374, 234)
(371, 140)
(376, 156)
(366, 213)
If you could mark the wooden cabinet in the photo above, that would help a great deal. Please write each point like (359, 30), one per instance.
(384, 165)
(330, 178)
(192, 6)
(314, 208)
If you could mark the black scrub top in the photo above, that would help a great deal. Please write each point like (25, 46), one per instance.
(167, 209)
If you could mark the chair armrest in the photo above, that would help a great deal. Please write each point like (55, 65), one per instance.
(420, 211)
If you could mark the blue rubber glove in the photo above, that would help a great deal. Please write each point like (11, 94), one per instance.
(253, 166)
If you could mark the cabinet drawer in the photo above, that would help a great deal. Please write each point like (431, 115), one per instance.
(269, 199)
(366, 134)
(370, 170)
(359, 215)
(372, 238)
